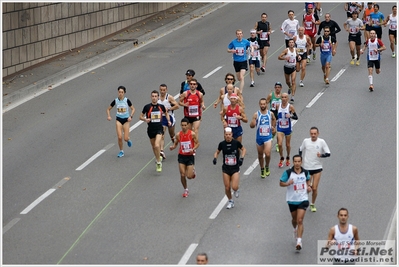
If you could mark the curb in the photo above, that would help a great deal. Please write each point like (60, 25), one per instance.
(83, 67)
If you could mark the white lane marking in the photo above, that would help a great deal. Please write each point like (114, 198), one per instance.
(10, 224)
(218, 208)
(37, 201)
(187, 254)
(338, 75)
(212, 72)
(252, 167)
(90, 160)
(314, 99)
(15, 104)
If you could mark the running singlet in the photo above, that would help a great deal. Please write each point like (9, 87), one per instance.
(186, 143)
(291, 61)
(296, 192)
(274, 101)
(231, 153)
(122, 108)
(263, 125)
(309, 24)
(264, 26)
(376, 19)
(392, 22)
(167, 104)
(354, 26)
(231, 119)
(256, 55)
(367, 17)
(326, 45)
(283, 123)
(301, 44)
(226, 100)
(372, 46)
(193, 100)
(345, 241)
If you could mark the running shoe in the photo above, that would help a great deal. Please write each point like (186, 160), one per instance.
(292, 100)
(308, 60)
(289, 91)
(267, 172)
(129, 143)
(353, 61)
(237, 193)
(287, 162)
(263, 69)
(252, 84)
(185, 194)
(371, 88)
(313, 208)
(230, 205)
(277, 148)
(162, 153)
(298, 246)
(393, 54)
(301, 83)
(358, 62)
(314, 55)
(327, 81)
(121, 154)
(280, 165)
(262, 173)
(159, 166)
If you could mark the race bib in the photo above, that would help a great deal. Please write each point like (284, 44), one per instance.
(300, 187)
(264, 130)
(193, 110)
(232, 122)
(240, 51)
(230, 160)
(186, 146)
(325, 47)
(264, 36)
(155, 116)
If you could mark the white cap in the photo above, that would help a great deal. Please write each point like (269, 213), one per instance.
(227, 130)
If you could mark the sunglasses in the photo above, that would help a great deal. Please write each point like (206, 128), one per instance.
(193, 84)
(230, 79)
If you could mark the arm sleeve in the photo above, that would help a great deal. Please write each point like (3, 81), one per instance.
(337, 28)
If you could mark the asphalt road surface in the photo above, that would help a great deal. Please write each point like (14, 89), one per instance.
(68, 199)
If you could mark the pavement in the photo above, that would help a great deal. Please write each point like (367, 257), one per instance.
(42, 77)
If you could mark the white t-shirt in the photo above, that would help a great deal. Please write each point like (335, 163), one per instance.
(310, 148)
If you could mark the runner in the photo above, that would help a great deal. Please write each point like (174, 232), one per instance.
(152, 115)
(289, 56)
(328, 46)
(232, 115)
(254, 61)
(344, 233)
(290, 27)
(297, 180)
(123, 118)
(314, 148)
(233, 157)
(328, 22)
(263, 29)
(353, 6)
(303, 44)
(188, 143)
(366, 19)
(185, 86)
(272, 100)
(309, 22)
(238, 47)
(354, 26)
(376, 21)
(193, 103)
(202, 258)
(171, 105)
(393, 24)
(265, 123)
(229, 79)
(285, 112)
(374, 47)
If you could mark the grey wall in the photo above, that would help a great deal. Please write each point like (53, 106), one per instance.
(35, 32)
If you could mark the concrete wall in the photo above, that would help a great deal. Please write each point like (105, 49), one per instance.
(35, 32)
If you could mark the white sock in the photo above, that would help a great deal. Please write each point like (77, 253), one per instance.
(299, 239)
(371, 79)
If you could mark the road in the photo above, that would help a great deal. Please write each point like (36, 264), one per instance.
(57, 209)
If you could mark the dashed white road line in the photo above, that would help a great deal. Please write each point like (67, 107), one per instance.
(10, 224)
(188, 254)
(218, 208)
(338, 75)
(212, 72)
(37, 201)
(314, 99)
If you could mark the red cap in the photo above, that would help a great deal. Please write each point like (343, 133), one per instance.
(233, 95)
(310, 6)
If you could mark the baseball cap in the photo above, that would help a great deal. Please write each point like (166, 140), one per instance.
(278, 83)
(310, 6)
(233, 95)
(190, 72)
(227, 130)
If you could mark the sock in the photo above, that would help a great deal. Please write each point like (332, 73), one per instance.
(371, 79)
(299, 239)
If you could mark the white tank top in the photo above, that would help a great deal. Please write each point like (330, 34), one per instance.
(392, 23)
(372, 46)
(226, 100)
(291, 61)
(166, 103)
(344, 240)
(301, 44)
